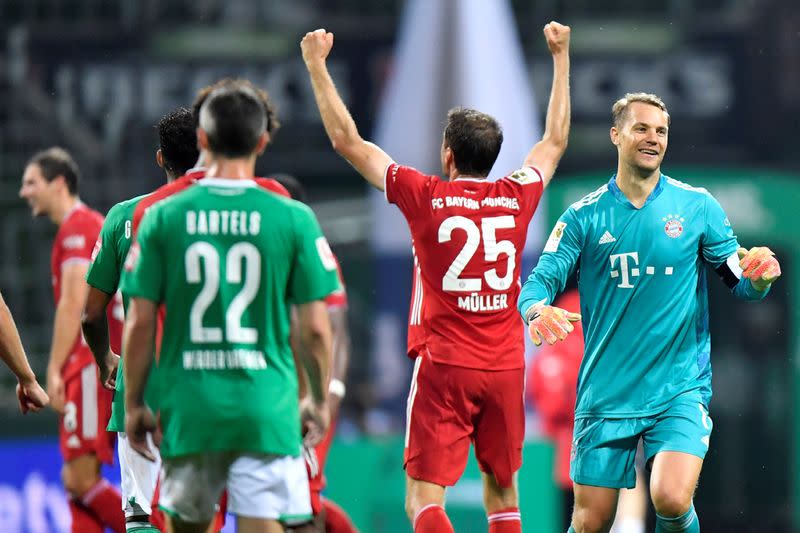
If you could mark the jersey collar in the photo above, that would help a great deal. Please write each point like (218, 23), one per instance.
(224, 182)
(621, 198)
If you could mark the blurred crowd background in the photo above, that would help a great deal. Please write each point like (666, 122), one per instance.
(94, 76)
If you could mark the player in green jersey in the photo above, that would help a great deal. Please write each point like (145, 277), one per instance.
(228, 259)
(176, 154)
(640, 245)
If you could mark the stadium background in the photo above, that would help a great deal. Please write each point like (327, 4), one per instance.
(95, 75)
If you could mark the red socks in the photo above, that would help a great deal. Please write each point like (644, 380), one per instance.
(432, 519)
(336, 520)
(505, 521)
(83, 521)
(105, 502)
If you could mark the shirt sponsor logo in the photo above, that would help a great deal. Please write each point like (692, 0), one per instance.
(555, 237)
(673, 226)
(74, 242)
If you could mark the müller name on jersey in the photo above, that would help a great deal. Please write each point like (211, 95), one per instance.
(483, 302)
(471, 203)
(213, 222)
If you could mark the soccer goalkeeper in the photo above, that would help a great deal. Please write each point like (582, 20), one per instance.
(640, 243)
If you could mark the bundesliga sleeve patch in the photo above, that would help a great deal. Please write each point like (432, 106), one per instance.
(98, 245)
(325, 254)
(525, 175)
(133, 257)
(555, 237)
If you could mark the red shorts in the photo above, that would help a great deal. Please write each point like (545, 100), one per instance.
(451, 406)
(315, 465)
(87, 408)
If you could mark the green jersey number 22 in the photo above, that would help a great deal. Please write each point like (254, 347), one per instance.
(234, 332)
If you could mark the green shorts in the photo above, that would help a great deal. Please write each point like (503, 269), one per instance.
(604, 449)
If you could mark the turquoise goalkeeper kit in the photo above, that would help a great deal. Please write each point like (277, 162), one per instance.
(642, 283)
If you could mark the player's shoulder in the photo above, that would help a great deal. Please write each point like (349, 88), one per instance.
(523, 176)
(593, 198)
(684, 188)
(272, 185)
(124, 209)
(404, 173)
(83, 218)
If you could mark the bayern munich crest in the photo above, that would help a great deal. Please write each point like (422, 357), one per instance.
(673, 226)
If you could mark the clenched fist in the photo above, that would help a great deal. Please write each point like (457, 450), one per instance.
(557, 36)
(759, 266)
(316, 45)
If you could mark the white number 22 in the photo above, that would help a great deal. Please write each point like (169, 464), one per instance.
(492, 250)
(234, 332)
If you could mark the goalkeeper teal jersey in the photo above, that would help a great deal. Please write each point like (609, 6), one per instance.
(642, 283)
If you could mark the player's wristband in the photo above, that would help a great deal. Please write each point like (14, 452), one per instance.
(533, 311)
(337, 388)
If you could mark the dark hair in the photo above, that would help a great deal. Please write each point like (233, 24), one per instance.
(177, 139)
(475, 139)
(273, 124)
(293, 185)
(55, 162)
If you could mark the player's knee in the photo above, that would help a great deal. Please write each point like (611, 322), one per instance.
(500, 498)
(78, 477)
(671, 503)
(420, 494)
(586, 520)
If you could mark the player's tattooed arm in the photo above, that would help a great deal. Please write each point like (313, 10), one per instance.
(95, 330)
(316, 341)
(546, 154)
(138, 342)
(367, 158)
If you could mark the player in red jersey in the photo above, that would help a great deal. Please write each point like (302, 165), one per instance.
(50, 186)
(198, 172)
(30, 395)
(328, 516)
(468, 236)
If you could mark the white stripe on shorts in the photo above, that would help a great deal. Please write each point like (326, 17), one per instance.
(412, 393)
(89, 414)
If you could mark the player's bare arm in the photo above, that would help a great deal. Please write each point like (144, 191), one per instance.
(30, 394)
(760, 266)
(549, 323)
(316, 339)
(367, 158)
(95, 330)
(66, 328)
(137, 344)
(546, 154)
(341, 357)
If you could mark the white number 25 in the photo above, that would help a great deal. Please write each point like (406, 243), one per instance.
(492, 250)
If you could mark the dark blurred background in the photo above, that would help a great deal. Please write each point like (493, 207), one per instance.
(94, 76)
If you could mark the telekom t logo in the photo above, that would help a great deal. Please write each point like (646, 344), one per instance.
(627, 273)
